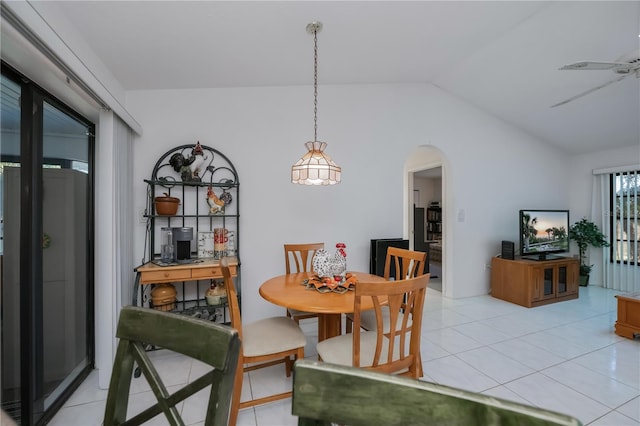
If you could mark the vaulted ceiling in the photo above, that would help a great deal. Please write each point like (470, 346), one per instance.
(502, 57)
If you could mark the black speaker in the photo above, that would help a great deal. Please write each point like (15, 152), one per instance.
(508, 248)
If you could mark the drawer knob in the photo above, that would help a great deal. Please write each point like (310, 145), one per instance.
(166, 274)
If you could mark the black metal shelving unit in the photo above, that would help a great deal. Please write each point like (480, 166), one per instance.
(190, 173)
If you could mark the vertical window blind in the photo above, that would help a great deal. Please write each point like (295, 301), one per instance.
(123, 182)
(617, 202)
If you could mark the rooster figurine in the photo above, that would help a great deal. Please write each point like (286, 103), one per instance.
(189, 168)
(216, 205)
(199, 159)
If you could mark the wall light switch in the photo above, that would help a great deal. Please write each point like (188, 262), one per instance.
(141, 215)
(461, 215)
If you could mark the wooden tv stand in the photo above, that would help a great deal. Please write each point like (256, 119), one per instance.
(533, 283)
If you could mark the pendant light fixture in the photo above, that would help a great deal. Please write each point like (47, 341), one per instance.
(315, 167)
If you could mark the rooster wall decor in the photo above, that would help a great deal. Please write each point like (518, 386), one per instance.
(189, 168)
(216, 205)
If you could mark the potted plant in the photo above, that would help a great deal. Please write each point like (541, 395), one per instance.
(586, 233)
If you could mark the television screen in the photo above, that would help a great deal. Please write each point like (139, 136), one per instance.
(543, 232)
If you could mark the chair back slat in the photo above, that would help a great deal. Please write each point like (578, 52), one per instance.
(399, 264)
(407, 263)
(300, 256)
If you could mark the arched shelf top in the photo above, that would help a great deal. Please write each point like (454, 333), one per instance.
(194, 165)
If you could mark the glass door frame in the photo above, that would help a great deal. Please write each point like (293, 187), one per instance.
(32, 398)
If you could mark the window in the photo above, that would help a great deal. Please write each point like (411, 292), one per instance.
(625, 217)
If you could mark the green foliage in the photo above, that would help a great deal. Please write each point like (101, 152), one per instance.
(585, 269)
(586, 233)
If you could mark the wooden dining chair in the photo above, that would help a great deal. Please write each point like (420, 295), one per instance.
(399, 264)
(393, 347)
(298, 258)
(266, 342)
(214, 344)
(371, 398)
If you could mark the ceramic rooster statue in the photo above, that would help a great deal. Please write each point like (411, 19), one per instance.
(197, 165)
(216, 205)
(189, 168)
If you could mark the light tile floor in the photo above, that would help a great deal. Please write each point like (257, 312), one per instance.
(563, 357)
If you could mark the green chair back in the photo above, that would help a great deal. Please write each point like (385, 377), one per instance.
(213, 344)
(325, 394)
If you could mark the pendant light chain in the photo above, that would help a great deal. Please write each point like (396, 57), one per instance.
(315, 167)
(315, 84)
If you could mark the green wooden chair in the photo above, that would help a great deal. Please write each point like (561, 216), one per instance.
(326, 394)
(214, 344)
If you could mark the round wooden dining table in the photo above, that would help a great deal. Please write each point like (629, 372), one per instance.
(288, 291)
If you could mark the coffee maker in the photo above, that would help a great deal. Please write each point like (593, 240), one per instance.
(182, 238)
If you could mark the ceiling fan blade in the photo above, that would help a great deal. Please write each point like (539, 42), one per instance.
(597, 65)
(590, 91)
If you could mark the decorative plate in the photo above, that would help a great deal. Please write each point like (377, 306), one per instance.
(226, 197)
(338, 284)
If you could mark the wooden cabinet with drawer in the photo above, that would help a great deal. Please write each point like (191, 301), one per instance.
(193, 278)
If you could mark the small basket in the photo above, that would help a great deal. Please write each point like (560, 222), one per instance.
(163, 297)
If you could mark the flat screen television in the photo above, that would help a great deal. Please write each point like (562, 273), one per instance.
(543, 232)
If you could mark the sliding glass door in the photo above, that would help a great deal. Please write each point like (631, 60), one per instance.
(47, 253)
(10, 261)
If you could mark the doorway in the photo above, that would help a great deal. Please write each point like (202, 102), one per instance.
(428, 220)
(426, 171)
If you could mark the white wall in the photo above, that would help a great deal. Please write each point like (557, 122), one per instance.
(370, 131)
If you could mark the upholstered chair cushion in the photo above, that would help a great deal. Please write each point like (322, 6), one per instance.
(271, 335)
(339, 349)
